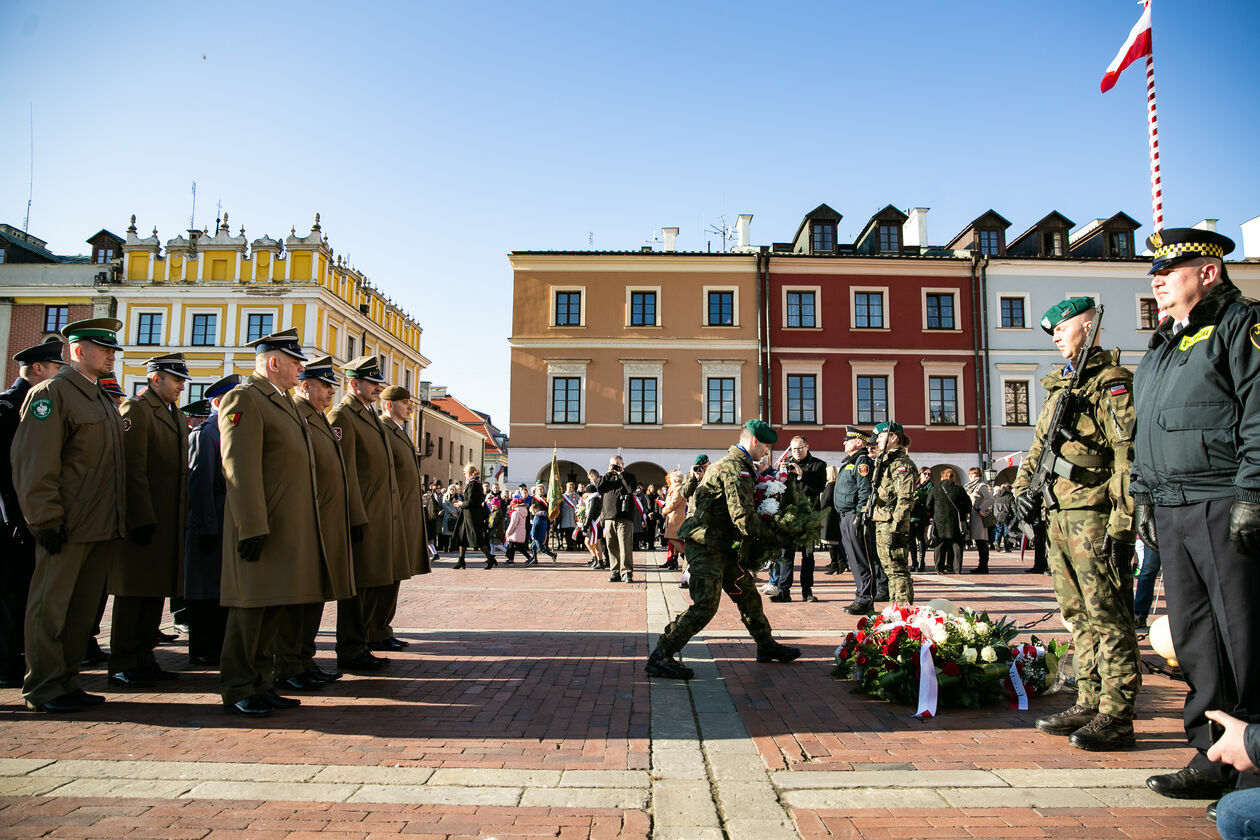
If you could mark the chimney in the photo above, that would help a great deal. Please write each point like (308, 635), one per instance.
(1251, 239)
(1207, 224)
(741, 231)
(671, 238)
(914, 231)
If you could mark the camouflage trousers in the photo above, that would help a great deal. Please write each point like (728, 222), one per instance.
(713, 572)
(893, 545)
(1096, 599)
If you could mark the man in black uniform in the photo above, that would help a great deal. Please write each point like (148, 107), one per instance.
(812, 481)
(1196, 489)
(16, 543)
(853, 488)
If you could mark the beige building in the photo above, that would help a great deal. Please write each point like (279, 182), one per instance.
(449, 443)
(651, 354)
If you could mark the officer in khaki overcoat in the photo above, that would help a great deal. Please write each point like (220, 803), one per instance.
(398, 410)
(295, 663)
(71, 483)
(273, 555)
(377, 533)
(148, 566)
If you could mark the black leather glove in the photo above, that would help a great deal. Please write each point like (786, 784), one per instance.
(51, 539)
(1244, 527)
(1144, 521)
(207, 542)
(143, 535)
(356, 533)
(1025, 505)
(250, 549)
(1120, 552)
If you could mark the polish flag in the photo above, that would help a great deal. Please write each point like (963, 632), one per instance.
(1136, 46)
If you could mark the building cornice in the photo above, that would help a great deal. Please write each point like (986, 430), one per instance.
(654, 262)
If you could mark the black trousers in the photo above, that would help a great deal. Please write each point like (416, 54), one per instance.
(16, 568)
(860, 560)
(207, 621)
(1212, 593)
(949, 555)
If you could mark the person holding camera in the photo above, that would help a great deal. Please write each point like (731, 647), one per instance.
(620, 511)
(811, 473)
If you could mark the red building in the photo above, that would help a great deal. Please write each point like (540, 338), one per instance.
(880, 329)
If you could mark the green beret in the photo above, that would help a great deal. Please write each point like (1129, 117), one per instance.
(761, 431)
(700, 459)
(890, 426)
(1063, 310)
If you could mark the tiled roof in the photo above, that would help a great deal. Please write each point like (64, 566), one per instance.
(468, 417)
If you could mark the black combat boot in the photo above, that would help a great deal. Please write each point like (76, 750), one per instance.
(1104, 734)
(772, 650)
(661, 664)
(1067, 721)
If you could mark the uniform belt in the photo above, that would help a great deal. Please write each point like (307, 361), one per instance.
(1079, 474)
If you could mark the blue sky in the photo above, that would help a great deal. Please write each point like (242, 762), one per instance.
(434, 138)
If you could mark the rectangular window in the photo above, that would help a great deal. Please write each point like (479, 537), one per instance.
(55, 318)
(940, 312)
(889, 238)
(1013, 313)
(149, 328)
(196, 391)
(407, 379)
(721, 400)
(643, 400)
(104, 255)
(1120, 245)
(721, 309)
(802, 398)
(205, 330)
(824, 238)
(441, 442)
(988, 240)
(868, 310)
(800, 309)
(260, 324)
(643, 309)
(1054, 243)
(872, 399)
(942, 401)
(1015, 402)
(566, 406)
(461, 453)
(351, 347)
(2, 257)
(1148, 314)
(568, 309)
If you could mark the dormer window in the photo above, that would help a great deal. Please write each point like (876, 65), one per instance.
(889, 238)
(824, 238)
(1118, 243)
(1054, 243)
(988, 241)
(100, 256)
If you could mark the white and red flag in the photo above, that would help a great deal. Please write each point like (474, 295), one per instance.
(1137, 45)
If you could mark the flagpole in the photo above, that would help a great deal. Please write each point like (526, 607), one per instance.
(1157, 190)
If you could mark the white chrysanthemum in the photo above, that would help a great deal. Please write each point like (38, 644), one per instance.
(969, 654)
(773, 488)
(768, 506)
(988, 654)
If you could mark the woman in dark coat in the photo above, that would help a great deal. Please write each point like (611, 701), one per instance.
(950, 508)
(830, 534)
(471, 529)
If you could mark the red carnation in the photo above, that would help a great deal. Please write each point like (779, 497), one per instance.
(861, 625)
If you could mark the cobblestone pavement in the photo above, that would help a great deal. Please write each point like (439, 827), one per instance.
(521, 710)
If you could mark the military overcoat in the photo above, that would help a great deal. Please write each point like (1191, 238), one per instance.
(155, 439)
(334, 503)
(270, 474)
(68, 459)
(407, 468)
(373, 491)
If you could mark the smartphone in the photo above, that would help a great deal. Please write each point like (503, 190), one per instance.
(1215, 731)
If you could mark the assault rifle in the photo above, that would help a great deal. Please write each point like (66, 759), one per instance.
(865, 524)
(1060, 429)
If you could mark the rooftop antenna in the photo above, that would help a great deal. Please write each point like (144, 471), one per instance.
(590, 239)
(725, 231)
(218, 214)
(26, 225)
(192, 218)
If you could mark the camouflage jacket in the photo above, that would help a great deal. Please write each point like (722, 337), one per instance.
(725, 512)
(1101, 451)
(893, 496)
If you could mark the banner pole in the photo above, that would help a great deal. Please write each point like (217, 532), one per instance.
(1157, 190)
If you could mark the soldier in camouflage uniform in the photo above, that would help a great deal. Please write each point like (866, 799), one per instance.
(724, 517)
(892, 499)
(1090, 537)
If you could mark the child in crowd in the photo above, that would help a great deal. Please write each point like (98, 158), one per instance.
(538, 534)
(517, 532)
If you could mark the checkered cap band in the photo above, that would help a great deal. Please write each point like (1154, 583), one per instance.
(1201, 248)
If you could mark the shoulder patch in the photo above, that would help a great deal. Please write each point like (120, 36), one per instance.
(336, 432)
(743, 474)
(1117, 390)
(1255, 336)
(126, 424)
(901, 469)
(235, 417)
(863, 469)
(41, 408)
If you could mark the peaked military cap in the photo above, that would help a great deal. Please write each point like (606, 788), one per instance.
(109, 385)
(395, 392)
(49, 350)
(851, 432)
(890, 426)
(1176, 245)
(1063, 310)
(222, 386)
(286, 341)
(701, 459)
(197, 408)
(172, 363)
(761, 431)
(102, 331)
(367, 368)
(320, 369)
